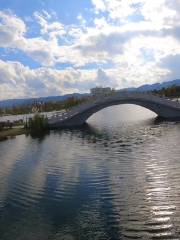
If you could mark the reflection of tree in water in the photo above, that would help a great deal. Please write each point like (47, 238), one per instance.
(29, 225)
(85, 183)
(40, 136)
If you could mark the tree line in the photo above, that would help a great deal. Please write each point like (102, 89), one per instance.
(36, 106)
(173, 92)
(43, 106)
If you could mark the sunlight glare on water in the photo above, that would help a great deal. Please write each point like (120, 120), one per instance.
(116, 178)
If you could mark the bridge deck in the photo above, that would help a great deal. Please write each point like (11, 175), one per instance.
(63, 116)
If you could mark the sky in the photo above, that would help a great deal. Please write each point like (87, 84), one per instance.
(56, 47)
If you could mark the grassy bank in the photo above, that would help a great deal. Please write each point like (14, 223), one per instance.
(8, 133)
(35, 126)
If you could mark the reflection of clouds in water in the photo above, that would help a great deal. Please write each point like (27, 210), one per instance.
(50, 160)
(26, 186)
(146, 153)
(31, 226)
(111, 180)
(11, 153)
(121, 113)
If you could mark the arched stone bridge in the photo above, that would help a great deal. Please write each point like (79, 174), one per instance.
(78, 115)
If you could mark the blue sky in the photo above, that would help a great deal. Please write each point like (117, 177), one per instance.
(54, 47)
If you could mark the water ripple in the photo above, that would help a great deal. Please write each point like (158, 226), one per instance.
(109, 181)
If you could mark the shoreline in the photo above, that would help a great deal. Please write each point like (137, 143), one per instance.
(9, 133)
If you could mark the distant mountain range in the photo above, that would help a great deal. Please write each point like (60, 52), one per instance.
(155, 86)
(143, 88)
(158, 86)
(26, 101)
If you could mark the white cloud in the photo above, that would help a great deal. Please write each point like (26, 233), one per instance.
(117, 9)
(52, 29)
(12, 29)
(18, 80)
(151, 10)
(99, 5)
(82, 45)
(129, 39)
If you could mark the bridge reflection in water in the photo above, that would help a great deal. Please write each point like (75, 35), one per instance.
(77, 116)
(110, 180)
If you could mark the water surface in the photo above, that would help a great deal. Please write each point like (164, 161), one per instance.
(116, 178)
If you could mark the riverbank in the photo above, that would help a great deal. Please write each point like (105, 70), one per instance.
(9, 133)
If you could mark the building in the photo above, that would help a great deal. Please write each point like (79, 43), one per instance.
(100, 91)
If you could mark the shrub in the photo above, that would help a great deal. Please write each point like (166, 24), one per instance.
(37, 123)
(2, 125)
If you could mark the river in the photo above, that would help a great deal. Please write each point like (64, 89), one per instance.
(116, 178)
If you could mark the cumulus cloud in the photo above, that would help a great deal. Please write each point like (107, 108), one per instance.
(12, 29)
(52, 29)
(128, 43)
(12, 35)
(90, 44)
(155, 11)
(18, 80)
(172, 63)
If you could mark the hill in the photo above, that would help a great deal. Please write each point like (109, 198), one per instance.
(28, 101)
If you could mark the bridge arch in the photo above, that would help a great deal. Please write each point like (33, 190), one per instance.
(162, 107)
(87, 114)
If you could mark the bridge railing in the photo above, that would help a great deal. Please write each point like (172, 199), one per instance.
(63, 115)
